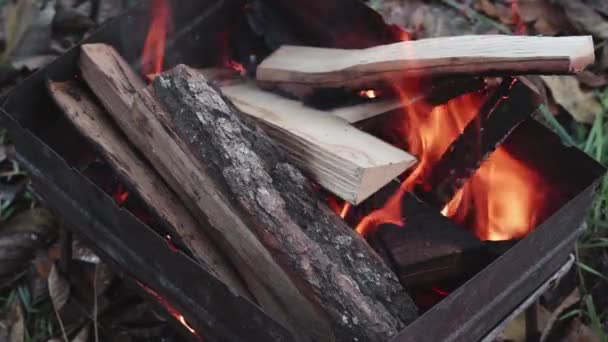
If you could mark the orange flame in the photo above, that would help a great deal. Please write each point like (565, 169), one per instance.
(504, 196)
(501, 199)
(369, 93)
(154, 48)
(427, 132)
(120, 195)
(236, 66)
(170, 309)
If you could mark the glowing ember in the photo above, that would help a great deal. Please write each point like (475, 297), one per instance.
(182, 320)
(170, 308)
(440, 292)
(120, 195)
(345, 210)
(501, 201)
(169, 240)
(370, 94)
(154, 48)
(238, 67)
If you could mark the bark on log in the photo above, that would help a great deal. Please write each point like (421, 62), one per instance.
(463, 55)
(94, 124)
(327, 260)
(305, 266)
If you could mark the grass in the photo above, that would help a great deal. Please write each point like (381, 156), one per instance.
(38, 315)
(594, 243)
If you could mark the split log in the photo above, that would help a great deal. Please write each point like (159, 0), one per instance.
(94, 124)
(344, 160)
(305, 266)
(462, 55)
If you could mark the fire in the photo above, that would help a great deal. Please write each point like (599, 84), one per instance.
(370, 94)
(503, 196)
(154, 48)
(236, 66)
(427, 132)
(120, 195)
(182, 320)
(499, 202)
(170, 308)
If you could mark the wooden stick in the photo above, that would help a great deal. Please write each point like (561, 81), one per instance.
(305, 267)
(515, 100)
(94, 124)
(344, 160)
(468, 55)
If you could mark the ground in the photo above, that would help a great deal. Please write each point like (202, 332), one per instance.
(38, 303)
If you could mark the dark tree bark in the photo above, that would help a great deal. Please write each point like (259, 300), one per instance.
(330, 264)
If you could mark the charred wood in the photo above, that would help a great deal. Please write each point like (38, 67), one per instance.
(509, 105)
(429, 248)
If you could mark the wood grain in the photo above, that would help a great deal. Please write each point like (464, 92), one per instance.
(344, 160)
(468, 55)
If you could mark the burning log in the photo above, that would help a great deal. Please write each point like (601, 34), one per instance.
(463, 55)
(431, 248)
(303, 264)
(511, 103)
(92, 121)
(346, 161)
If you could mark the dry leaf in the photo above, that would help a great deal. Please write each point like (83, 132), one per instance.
(544, 27)
(487, 7)
(547, 18)
(15, 323)
(425, 19)
(592, 80)
(573, 298)
(83, 334)
(59, 289)
(599, 5)
(18, 17)
(603, 60)
(579, 332)
(566, 91)
(585, 18)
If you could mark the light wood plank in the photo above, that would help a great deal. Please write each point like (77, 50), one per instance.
(470, 55)
(344, 160)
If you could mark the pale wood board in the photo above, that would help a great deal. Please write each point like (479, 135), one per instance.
(344, 160)
(471, 55)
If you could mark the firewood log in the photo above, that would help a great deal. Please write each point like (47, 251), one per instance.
(462, 55)
(95, 124)
(344, 160)
(304, 265)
